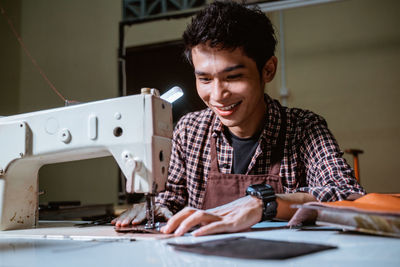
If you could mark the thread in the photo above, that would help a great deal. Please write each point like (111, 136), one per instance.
(21, 42)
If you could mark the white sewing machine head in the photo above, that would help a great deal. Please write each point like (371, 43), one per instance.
(136, 130)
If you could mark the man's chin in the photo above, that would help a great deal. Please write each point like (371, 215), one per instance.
(228, 122)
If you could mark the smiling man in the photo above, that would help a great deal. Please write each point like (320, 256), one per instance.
(245, 158)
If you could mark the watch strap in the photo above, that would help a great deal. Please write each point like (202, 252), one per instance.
(266, 193)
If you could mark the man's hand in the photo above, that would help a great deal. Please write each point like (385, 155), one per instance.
(285, 202)
(235, 216)
(137, 215)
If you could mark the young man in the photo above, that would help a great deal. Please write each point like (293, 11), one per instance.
(244, 139)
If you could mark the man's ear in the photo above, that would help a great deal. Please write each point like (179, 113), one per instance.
(269, 69)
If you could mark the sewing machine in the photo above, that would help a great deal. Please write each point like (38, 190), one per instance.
(136, 130)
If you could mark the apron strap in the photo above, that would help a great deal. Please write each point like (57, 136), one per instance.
(214, 157)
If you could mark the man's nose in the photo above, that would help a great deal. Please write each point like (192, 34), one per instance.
(220, 90)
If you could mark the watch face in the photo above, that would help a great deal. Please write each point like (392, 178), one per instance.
(251, 191)
(260, 190)
(257, 186)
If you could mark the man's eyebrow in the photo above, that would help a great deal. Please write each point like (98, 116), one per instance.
(200, 73)
(228, 69)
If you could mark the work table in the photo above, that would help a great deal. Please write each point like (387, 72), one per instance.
(353, 250)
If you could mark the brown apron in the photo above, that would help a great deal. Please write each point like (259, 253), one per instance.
(222, 188)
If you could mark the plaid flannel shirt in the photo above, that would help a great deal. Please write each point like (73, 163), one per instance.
(312, 160)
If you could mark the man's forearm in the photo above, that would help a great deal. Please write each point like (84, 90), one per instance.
(285, 212)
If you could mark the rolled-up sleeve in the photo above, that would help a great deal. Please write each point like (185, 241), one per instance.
(328, 176)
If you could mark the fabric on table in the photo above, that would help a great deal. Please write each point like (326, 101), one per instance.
(252, 248)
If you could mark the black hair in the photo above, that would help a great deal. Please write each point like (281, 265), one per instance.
(231, 25)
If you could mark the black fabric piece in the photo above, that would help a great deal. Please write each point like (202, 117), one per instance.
(251, 248)
(243, 151)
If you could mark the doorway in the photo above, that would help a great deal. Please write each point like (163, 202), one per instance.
(163, 66)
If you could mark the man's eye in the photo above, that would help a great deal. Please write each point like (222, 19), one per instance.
(204, 79)
(234, 76)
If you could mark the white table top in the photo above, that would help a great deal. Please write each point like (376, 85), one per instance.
(353, 250)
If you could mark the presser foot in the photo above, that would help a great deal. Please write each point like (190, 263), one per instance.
(141, 228)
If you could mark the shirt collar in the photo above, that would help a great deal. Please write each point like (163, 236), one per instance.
(217, 126)
(271, 125)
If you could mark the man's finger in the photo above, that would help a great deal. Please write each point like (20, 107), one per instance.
(165, 212)
(213, 228)
(119, 220)
(176, 220)
(303, 217)
(139, 218)
(125, 218)
(126, 222)
(199, 217)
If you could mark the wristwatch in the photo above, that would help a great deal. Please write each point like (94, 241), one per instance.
(266, 193)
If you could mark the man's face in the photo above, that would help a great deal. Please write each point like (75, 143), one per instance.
(229, 83)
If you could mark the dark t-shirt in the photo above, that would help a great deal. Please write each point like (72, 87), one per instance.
(243, 151)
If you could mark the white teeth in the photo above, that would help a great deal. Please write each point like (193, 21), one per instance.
(228, 107)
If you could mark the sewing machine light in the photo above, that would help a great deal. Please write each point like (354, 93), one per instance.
(172, 94)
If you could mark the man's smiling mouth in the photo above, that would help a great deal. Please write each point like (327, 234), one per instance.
(229, 107)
